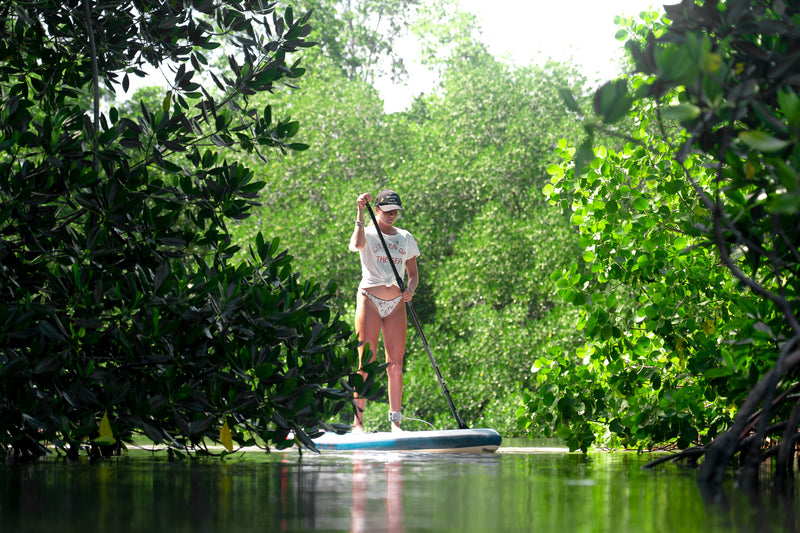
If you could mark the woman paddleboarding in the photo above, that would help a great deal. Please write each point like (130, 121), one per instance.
(380, 301)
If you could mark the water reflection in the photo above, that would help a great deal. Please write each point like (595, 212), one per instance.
(769, 507)
(383, 491)
(366, 517)
(394, 492)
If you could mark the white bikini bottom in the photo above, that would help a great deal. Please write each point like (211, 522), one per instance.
(385, 307)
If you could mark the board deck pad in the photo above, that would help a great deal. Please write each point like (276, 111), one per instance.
(478, 440)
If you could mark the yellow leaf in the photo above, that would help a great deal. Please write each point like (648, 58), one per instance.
(749, 170)
(106, 435)
(225, 436)
(711, 62)
(709, 327)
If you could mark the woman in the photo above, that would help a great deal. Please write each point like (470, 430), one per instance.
(380, 303)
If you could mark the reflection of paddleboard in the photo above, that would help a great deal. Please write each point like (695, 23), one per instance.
(448, 441)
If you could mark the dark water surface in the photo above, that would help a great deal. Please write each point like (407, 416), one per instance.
(515, 489)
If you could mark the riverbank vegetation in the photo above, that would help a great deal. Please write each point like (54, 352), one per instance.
(688, 284)
(122, 310)
(613, 266)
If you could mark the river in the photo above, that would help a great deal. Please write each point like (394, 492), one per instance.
(518, 488)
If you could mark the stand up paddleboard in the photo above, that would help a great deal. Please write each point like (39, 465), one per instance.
(478, 440)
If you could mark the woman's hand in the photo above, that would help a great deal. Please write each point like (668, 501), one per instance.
(407, 295)
(362, 200)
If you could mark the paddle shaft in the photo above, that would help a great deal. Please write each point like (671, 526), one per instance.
(415, 320)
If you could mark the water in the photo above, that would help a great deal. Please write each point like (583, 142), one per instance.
(514, 489)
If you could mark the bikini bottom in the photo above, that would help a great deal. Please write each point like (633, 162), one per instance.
(385, 307)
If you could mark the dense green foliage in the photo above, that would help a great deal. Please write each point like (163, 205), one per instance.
(688, 284)
(119, 300)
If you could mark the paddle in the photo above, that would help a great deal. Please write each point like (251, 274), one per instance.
(461, 424)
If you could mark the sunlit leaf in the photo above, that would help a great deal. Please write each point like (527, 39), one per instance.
(680, 243)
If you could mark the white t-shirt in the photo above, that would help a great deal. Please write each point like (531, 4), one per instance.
(375, 267)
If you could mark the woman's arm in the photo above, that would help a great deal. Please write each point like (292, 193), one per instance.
(413, 279)
(358, 240)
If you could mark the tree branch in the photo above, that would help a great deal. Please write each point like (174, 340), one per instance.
(722, 449)
(95, 87)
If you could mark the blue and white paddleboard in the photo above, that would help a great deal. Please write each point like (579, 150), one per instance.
(447, 441)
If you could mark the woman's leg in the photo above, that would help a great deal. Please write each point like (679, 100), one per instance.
(394, 340)
(368, 328)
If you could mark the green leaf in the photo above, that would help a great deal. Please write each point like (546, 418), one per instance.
(612, 101)
(584, 155)
(616, 426)
(762, 142)
(718, 372)
(555, 170)
(787, 203)
(569, 100)
(681, 112)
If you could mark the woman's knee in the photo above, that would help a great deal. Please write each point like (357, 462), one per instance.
(395, 365)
